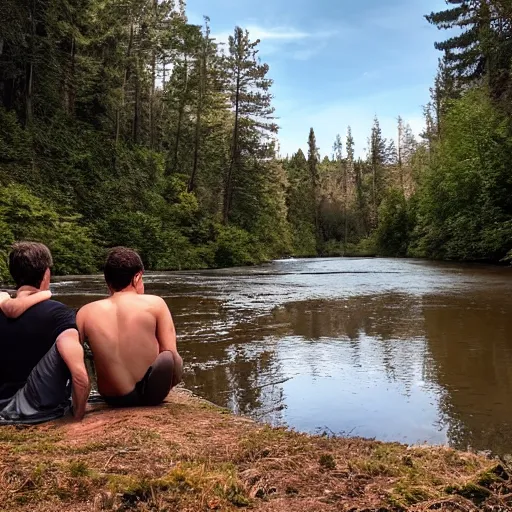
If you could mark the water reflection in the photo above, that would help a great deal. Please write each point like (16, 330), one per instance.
(397, 350)
(471, 344)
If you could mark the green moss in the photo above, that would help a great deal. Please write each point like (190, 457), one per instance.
(492, 476)
(78, 469)
(405, 495)
(471, 491)
(327, 461)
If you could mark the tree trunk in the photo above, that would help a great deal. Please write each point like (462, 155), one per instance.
(180, 120)
(234, 153)
(153, 86)
(136, 112)
(400, 162)
(345, 204)
(30, 90)
(70, 81)
(197, 138)
(29, 106)
(152, 102)
(125, 81)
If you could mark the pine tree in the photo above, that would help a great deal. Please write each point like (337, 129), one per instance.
(342, 169)
(249, 94)
(379, 155)
(350, 160)
(482, 47)
(407, 147)
(313, 161)
(300, 205)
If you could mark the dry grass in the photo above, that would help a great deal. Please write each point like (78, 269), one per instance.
(191, 456)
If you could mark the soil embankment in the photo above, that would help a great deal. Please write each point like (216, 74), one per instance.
(191, 456)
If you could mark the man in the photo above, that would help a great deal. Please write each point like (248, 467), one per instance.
(132, 337)
(42, 362)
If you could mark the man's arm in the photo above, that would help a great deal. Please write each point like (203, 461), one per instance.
(71, 350)
(13, 308)
(165, 331)
(166, 336)
(80, 323)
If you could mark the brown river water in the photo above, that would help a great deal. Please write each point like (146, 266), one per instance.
(398, 350)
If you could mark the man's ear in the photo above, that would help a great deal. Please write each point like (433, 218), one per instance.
(45, 284)
(138, 282)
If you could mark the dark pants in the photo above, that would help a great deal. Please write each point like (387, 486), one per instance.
(45, 396)
(154, 387)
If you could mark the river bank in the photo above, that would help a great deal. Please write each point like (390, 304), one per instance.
(189, 455)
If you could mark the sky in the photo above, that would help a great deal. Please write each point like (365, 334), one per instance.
(337, 62)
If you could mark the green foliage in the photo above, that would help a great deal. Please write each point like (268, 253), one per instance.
(6, 239)
(24, 216)
(123, 124)
(465, 202)
(393, 231)
(234, 247)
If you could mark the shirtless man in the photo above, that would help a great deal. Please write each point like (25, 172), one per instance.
(132, 337)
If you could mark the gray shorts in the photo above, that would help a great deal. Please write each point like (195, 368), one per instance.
(45, 396)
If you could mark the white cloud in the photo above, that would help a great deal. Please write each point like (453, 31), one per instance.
(276, 34)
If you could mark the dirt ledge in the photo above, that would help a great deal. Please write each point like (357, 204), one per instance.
(189, 455)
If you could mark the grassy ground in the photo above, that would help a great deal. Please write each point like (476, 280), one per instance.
(191, 456)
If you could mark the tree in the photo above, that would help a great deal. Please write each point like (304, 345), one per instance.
(465, 206)
(379, 155)
(249, 94)
(482, 47)
(343, 171)
(313, 161)
(300, 205)
(407, 147)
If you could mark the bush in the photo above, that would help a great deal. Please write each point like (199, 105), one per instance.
(304, 239)
(393, 231)
(465, 200)
(24, 216)
(234, 247)
(366, 248)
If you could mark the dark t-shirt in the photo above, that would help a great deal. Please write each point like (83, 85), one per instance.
(25, 340)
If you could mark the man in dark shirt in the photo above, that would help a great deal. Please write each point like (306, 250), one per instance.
(41, 357)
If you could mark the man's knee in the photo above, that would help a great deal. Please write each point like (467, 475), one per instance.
(173, 363)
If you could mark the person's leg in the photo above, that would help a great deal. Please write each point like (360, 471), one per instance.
(45, 396)
(164, 374)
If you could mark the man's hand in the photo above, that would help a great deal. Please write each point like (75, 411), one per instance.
(71, 350)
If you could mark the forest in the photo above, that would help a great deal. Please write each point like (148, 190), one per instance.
(121, 123)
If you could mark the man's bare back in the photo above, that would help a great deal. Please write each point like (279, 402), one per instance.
(126, 333)
(132, 337)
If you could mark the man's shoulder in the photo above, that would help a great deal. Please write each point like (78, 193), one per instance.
(94, 307)
(54, 315)
(50, 306)
(153, 300)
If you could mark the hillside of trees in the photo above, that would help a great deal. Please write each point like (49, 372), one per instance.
(121, 123)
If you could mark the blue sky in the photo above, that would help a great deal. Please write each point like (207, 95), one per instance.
(337, 62)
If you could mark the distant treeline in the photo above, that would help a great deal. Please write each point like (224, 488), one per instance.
(123, 124)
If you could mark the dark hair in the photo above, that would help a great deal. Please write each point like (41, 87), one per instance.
(121, 267)
(28, 262)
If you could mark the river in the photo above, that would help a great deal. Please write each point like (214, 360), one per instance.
(398, 350)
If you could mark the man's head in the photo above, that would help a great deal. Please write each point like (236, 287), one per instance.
(124, 269)
(30, 264)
